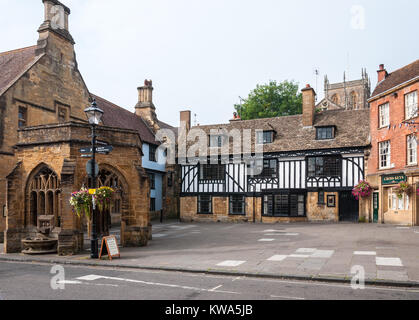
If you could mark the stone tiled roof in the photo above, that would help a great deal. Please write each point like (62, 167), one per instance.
(397, 77)
(14, 64)
(118, 117)
(352, 130)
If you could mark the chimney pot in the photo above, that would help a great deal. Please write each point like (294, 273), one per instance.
(382, 73)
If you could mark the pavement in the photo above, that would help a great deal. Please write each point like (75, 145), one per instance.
(385, 255)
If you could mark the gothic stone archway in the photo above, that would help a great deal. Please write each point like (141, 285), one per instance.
(43, 196)
(119, 214)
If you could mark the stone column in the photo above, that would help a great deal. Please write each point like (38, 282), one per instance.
(70, 239)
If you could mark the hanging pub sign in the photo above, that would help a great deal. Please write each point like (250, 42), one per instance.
(109, 248)
(393, 179)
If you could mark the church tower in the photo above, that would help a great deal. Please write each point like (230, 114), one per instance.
(346, 95)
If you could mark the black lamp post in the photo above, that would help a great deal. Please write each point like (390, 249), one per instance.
(94, 115)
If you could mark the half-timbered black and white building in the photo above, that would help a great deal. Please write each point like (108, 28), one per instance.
(309, 166)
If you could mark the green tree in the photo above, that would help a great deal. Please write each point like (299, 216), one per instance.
(272, 100)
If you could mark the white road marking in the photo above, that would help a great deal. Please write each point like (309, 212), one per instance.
(231, 263)
(159, 235)
(214, 289)
(266, 240)
(306, 250)
(91, 277)
(403, 228)
(157, 284)
(277, 258)
(365, 253)
(287, 298)
(69, 282)
(390, 262)
(323, 254)
(302, 256)
(291, 234)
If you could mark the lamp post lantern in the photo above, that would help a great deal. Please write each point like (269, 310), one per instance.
(94, 115)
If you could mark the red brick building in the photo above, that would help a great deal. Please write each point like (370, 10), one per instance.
(394, 158)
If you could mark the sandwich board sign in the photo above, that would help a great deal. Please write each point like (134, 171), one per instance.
(109, 248)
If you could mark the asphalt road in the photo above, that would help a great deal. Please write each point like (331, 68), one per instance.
(26, 281)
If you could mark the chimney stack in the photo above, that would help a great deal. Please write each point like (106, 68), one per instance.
(145, 107)
(55, 23)
(309, 106)
(185, 120)
(382, 73)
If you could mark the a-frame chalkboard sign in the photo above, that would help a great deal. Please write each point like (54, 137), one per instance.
(109, 248)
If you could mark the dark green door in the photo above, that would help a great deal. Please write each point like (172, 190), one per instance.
(376, 206)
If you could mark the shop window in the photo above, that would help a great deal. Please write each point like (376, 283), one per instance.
(237, 205)
(395, 203)
(205, 204)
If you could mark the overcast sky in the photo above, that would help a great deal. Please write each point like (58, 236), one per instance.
(203, 54)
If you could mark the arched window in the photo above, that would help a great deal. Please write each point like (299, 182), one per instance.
(43, 195)
(335, 99)
(353, 103)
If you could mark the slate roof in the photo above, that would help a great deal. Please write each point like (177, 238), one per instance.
(397, 77)
(352, 130)
(118, 117)
(14, 64)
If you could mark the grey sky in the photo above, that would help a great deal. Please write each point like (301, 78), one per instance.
(202, 55)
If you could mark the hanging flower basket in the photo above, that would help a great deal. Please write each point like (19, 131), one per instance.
(103, 198)
(402, 189)
(81, 201)
(362, 190)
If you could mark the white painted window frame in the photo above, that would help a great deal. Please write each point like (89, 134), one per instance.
(384, 115)
(412, 150)
(411, 105)
(381, 147)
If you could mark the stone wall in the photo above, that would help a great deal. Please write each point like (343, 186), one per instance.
(321, 212)
(189, 206)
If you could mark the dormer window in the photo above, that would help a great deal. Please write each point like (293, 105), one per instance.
(325, 133)
(265, 137)
(217, 141)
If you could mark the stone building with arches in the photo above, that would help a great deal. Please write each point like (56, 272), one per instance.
(42, 128)
(346, 95)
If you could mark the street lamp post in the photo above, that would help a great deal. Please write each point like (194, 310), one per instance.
(94, 115)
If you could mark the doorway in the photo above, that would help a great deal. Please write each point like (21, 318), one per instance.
(348, 207)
